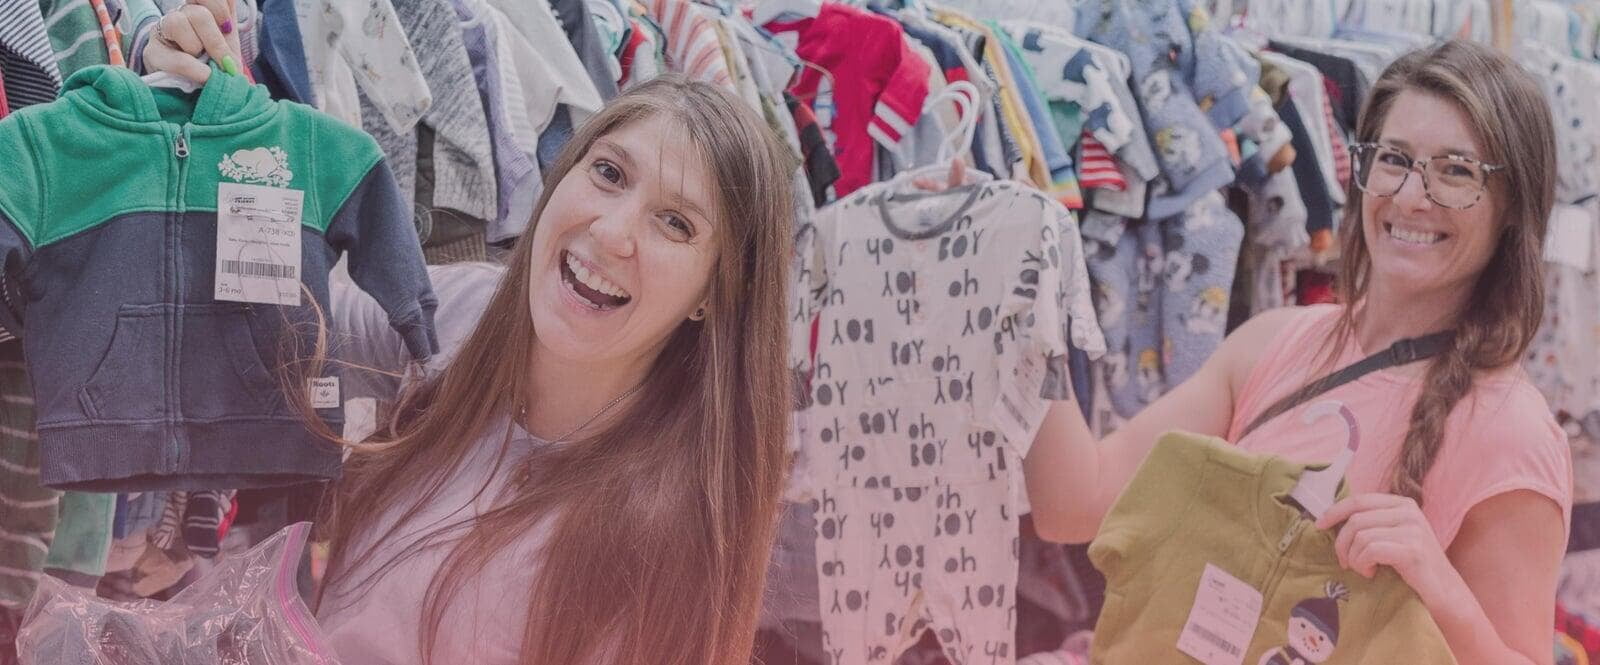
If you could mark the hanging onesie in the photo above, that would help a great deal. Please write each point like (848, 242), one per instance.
(943, 323)
(1162, 292)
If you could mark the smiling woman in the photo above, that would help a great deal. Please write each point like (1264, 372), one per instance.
(593, 474)
(611, 223)
(1463, 485)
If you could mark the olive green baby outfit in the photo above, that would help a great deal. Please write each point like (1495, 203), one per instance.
(1205, 526)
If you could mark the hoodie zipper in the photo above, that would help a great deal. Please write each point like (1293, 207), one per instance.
(179, 456)
(1275, 574)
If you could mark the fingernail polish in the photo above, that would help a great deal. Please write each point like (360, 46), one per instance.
(230, 65)
(227, 26)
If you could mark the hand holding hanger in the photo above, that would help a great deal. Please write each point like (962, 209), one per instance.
(957, 178)
(1316, 489)
(966, 97)
(199, 27)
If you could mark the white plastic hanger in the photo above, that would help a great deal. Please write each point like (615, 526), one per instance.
(1315, 491)
(767, 10)
(966, 97)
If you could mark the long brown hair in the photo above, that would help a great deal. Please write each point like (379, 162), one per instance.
(660, 527)
(1512, 118)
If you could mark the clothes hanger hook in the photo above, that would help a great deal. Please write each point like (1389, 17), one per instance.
(1329, 408)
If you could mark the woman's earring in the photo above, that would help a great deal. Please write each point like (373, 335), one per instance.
(699, 315)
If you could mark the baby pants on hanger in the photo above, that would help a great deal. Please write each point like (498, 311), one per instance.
(1202, 252)
(1162, 293)
(1124, 277)
(894, 561)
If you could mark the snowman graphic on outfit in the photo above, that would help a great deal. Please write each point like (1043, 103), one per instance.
(1313, 630)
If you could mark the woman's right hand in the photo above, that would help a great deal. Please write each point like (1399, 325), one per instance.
(198, 27)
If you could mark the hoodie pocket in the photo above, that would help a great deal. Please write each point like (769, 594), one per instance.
(221, 373)
(128, 383)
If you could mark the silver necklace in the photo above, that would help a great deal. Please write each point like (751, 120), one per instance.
(562, 439)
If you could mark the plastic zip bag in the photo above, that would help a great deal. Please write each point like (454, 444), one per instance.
(246, 611)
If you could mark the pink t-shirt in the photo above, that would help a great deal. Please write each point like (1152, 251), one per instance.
(1499, 438)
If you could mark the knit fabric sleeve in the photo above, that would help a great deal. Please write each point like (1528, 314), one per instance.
(692, 46)
(1222, 76)
(464, 178)
(1062, 318)
(900, 103)
(381, 57)
(376, 354)
(374, 226)
(811, 284)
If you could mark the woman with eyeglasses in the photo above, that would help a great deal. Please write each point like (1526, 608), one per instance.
(1463, 481)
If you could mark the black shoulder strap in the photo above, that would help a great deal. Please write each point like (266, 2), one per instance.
(1403, 352)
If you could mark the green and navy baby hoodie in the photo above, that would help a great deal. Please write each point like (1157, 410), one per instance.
(109, 242)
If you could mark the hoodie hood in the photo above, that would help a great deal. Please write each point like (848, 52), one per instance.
(118, 97)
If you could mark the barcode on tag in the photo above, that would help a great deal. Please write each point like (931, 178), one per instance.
(1222, 620)
(1219, 641)
(258, 244)
(254, 269)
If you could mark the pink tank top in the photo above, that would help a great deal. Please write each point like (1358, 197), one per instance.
(1500, 437)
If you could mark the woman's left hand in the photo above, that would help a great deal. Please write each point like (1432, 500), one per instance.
(1389, 530)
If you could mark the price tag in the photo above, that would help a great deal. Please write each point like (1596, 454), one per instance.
(1222, 620)
(258, 244)
(360, 419)
(324, 392)
(1570, 238)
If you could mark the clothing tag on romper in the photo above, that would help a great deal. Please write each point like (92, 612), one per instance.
(258, 244)
(1570, 237)
(1222, 620)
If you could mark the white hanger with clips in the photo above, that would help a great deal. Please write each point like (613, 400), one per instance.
(966, 97)
(170, 80)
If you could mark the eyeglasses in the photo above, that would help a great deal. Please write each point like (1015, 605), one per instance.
(1449, 180)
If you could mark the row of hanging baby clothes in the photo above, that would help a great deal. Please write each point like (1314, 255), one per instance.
(1561, 360)
(1316, 76)
(1062, 115)
(1163, 278)
(1568, 27)
(467, 174)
